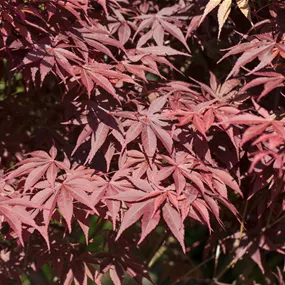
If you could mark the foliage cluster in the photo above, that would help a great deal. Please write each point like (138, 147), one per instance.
(131, 128)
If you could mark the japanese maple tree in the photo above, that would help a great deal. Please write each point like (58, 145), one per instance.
(142, 140)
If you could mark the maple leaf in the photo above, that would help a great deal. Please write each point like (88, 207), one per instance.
(73, 6)
(263, 47)
(150, 126)
(109, 187)
(101, 74)
(160, 22)
(199, 212)
(136, 69)
(63, 193)
(160, 50)
(181, 164)
(97, 125)
(194, 24)
(244, 7)
(146, 201)
(220, 92)
(69, 264)
(51, 56)
(270, 80)
(204, 116)
(14, 212)
(187, 168)
(223, 13)
(40, 164)
(261, 123)
(138, 162)
(149, 208)
(122, 26)
(152, 56)
(119, 260)
(175, 223)
(225, 9)
(98, 37)
(193, 113)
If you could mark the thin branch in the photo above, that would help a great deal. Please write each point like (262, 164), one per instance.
(193, 269)
(156, 253)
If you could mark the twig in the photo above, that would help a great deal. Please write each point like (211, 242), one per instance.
(153, 256)
(193, 269)
(273, 223)
(224, 270)
(217, 254)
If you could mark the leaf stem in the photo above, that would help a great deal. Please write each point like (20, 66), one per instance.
(224, 270)
(242, 223)
(273, 223)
